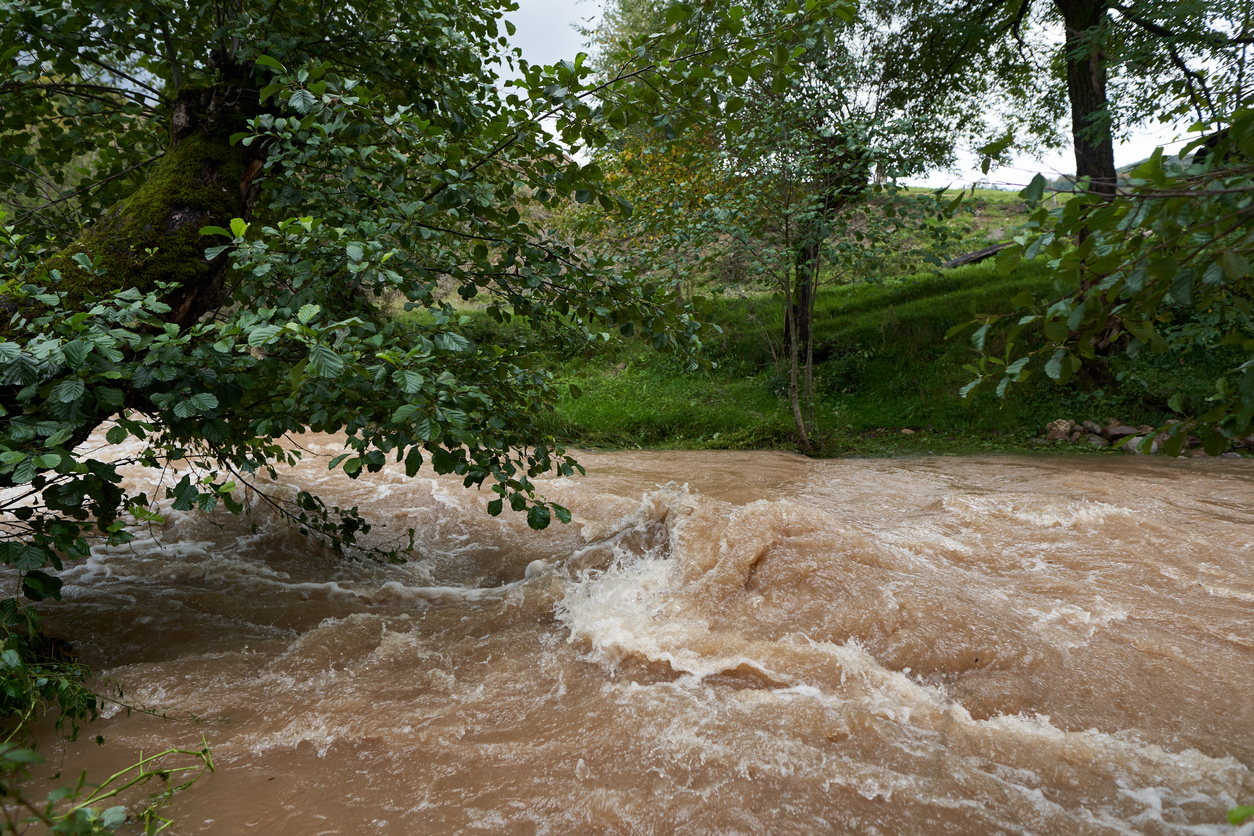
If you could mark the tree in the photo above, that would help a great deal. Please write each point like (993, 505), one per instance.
(1114, 64)
(789, 164)
(207, 205)
(1163, 259)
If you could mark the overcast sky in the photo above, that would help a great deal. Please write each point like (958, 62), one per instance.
(546, 35)
(545, 28)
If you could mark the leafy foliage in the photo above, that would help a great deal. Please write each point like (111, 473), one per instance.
(1164, 264)
(76, 809)
(210, 207)
(780, 179)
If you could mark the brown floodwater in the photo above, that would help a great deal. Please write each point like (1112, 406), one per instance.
(719, 643)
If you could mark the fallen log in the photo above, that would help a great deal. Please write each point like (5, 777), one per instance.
(978, 255)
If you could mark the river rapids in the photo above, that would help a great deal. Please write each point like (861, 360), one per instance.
(719, 643)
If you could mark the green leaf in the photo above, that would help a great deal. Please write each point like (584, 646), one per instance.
(37, 586)
(76, 352)
(1053, 368)
(678, 13)
(68, 391)
(1182, 287)
(1238, 815)
(113, 818)
(184, 494)
(1008, 259)
(993, 149)
(1175, 444)
(413, 462)
(538, 517)
(442, 461)
(409, 381)
(307, 313)
(451, 341)
(1055, 330)
(302, 101)
(203, 402)
(22, 756)
(262, 335)
(957, 329)
(1035, 190)
(1215, 443)
(325, 362)
(238, 227)
(1233, 264)
(267, 61)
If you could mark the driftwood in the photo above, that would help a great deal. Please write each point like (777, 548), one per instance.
(978, 255)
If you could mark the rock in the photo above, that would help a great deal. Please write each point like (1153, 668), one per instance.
(1037, 441)
(1058, 430)
(1096, 441)
(1114, 432)
(1231, 454)
(907, 431)
(1092, 427)
(1133, 445)
(1144, 429)
(1076, 436)
(1200, 454)
(1193, 442)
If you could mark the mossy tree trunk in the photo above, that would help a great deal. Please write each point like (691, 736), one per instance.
(153, 236)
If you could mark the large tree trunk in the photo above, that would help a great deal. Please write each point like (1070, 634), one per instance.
(153, 236)
(1086, 90)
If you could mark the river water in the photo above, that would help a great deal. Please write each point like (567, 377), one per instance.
(720, 643)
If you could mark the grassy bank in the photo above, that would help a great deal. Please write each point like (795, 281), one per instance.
(883, 366)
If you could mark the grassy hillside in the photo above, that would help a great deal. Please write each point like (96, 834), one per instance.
(883, 365)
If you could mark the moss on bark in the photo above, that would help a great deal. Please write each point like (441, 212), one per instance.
(154, 235)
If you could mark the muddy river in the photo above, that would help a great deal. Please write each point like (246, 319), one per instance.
(719, 643)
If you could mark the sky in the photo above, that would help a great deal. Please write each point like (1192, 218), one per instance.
(545, 28)
(545, 33)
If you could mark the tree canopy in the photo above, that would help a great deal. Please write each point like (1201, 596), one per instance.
(207, 208)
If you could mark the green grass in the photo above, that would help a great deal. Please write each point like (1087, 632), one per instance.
(885, 365)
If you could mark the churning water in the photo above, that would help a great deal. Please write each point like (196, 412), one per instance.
(719, 643)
